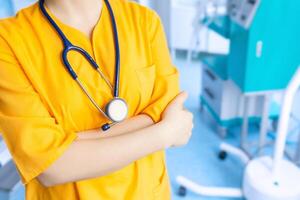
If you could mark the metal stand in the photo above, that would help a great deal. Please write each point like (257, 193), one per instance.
(207, 191)
(245, 124)
(264, 123)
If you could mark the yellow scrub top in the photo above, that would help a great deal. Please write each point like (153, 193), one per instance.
(42, 107)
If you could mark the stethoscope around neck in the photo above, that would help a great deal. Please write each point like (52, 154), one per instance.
(116, 110)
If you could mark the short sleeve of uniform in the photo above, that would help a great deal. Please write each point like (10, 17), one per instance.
(167, 77)
(33, 136)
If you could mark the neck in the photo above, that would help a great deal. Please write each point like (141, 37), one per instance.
(80, 14)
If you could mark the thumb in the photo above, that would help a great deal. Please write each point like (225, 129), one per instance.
(180, 99)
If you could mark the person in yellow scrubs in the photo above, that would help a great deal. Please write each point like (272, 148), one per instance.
(52, 129)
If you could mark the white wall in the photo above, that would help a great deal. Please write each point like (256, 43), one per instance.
(178, 18)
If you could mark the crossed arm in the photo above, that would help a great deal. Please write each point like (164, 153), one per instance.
(98, 153)
(129, 125)
(94, 155)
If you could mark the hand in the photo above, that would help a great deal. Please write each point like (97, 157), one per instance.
(177, 122)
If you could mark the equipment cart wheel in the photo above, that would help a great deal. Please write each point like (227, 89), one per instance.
(222, 155)
(182, 191)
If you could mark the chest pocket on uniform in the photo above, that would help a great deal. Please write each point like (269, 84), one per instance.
(146, 77)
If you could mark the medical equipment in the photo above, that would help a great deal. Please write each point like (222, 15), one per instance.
(223, 100)
(207, 12)
(275, 178)
(271, 178)
(263, 38)
(243, 12)
(292, 152)
(116, 110)
(243, 82)
(226, 76)
(263, 58)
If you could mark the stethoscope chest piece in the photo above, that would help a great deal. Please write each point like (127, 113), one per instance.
(117, 109)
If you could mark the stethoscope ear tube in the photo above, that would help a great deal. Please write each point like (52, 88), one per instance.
(67, 64)
(117, 49)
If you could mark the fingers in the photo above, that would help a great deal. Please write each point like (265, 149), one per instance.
(189, 114)
(180, 98)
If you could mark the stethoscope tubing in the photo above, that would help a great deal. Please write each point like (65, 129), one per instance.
(117, 49)
(68, 46)
(90, 98)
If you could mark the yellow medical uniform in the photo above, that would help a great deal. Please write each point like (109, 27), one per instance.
(42, 107)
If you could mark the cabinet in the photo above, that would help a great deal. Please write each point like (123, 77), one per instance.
(223, 98)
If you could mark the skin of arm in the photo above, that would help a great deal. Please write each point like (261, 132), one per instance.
(91, 158)
(101, 156)
(129, 125)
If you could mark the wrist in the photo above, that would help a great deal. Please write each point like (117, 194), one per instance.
(164, 134)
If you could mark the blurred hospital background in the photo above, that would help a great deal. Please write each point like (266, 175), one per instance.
(239, 60)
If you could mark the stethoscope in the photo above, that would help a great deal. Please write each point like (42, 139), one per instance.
(116, 109)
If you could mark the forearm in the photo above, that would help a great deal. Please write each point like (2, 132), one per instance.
(94, 158)
(129, 125)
